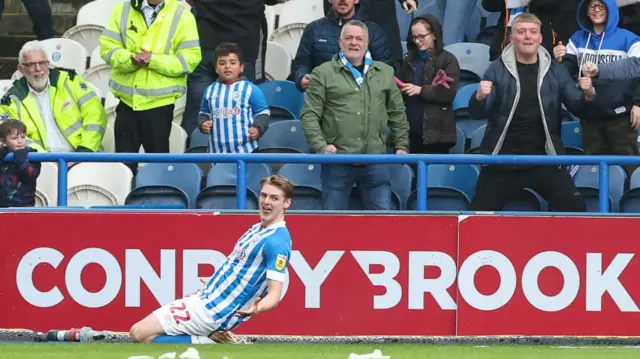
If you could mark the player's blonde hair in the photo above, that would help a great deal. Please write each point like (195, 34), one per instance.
(280, 182)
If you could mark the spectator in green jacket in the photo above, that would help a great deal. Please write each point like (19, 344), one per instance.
(350, 102)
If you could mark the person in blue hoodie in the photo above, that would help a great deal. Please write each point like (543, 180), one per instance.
(611, 128)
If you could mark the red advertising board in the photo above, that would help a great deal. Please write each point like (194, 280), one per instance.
(548, 276)
(348, 275)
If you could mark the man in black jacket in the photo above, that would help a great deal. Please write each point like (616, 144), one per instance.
(240, 22)
(524, 118)
(320, 40)
(383, 13)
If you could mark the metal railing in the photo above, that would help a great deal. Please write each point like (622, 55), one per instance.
(422, 162)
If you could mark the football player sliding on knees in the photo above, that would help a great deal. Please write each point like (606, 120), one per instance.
(247, 284)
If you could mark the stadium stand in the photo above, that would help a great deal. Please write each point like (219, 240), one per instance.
(306, 178)
(98, 184)
(284, 137)
(283, 95)
(587, 182)
(630, 200)
(166, 184)
(449, 187)
(66, 53)
(221, 186)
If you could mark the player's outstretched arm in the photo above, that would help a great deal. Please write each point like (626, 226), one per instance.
(267, 303)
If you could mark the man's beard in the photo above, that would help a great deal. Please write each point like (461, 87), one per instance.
(38, 84)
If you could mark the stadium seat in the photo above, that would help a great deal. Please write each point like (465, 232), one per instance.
(461, 101)
(5, 85)
(461, 139)
(87, 35)
(108, 140)
(66, 53)
(198, 139)
(486, 35)
(157, 197)
(471, 56)
(98, 76)
(476, 139)
(186, 177)
(284, 95)
(47, 185)
(221, 186)
(17, 75)
(587, 180)
(449, 187)
(95, 59)
(177, 116)
(96, 12)
(177, 139)
(572, 134)
(401, 179)
(630, 201)
(98, 184)
(526, 200)
(404, 47)
(467, 124)
(180, 104)
(270, 15)
(300, 11)
(284, 137)
(277, 62)
(468, 78)
(308, 191)
(289, 36)
(356, 203)
(204, 166)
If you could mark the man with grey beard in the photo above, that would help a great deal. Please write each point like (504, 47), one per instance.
(60, 109)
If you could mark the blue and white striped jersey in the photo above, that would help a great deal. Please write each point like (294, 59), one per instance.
(260, 254)
(233, 107)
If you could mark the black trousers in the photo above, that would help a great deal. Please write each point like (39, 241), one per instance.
(149, 128)
(496, 186)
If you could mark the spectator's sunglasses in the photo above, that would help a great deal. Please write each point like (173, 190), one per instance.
(420, 37)
(33, 64)
(598, 7)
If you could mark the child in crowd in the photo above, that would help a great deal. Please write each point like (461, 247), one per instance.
(17, 178)
(233, 110)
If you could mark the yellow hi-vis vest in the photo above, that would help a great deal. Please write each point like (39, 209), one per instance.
(77, 110)
(173, 41)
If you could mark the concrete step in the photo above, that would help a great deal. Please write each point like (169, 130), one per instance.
(57, 6)
(11, 44)
(8, 65)
(21, 24)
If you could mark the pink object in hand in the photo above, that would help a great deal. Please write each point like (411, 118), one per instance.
(398, 82)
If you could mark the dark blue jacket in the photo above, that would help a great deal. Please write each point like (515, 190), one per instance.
(320, 42)
(18, 179)
(556, 88)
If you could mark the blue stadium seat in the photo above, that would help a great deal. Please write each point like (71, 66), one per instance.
(284, 137)
(461, 101)
(284, 95)
(468, 78)
(198, 138)
(572, 134)
(449, 187)
(486, 35)
(587, 181)
(472, 57)
(567, 116)
(526, 200)
(476, 139)
(308, 191)
(469, 125)
(185, 177)
(404, 47)
(630, 201)
(461, 139)
(356, 204)
(220, 191)
(157, 197)
(401, 178)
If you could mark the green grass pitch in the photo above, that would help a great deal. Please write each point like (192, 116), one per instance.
(303, 351)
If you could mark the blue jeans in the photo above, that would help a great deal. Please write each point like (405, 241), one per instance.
(453, 14)
(40, 13)
(372, 181)
(198, 81)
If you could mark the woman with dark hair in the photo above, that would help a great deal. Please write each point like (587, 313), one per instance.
(430, 78)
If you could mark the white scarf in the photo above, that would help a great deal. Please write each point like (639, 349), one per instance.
(513, 4)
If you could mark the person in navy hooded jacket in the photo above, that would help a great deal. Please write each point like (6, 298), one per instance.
(611, 128)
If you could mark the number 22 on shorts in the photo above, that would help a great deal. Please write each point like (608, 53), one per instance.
(179, 312)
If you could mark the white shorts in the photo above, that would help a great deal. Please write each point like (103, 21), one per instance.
(186, 316)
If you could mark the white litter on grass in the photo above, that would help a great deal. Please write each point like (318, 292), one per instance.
(190, 353)
(171, 355)
(140, 357)
(481, 346)
(377, 354)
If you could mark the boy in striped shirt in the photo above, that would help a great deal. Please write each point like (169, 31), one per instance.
(248, 283)
(233, 109)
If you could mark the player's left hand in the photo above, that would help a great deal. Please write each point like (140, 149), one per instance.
(254, 133)
(251, 311)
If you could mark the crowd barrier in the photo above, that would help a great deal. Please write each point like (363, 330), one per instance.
(420, 160)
